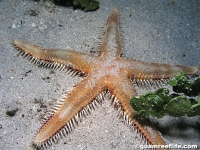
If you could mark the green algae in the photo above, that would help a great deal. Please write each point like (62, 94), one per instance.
(161, 102)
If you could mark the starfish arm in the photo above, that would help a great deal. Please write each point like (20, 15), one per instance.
(70, 111)
(144, 70)
(111, 44)
(56, 58)
(122, 91)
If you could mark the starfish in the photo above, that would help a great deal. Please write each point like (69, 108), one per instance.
(106, 73)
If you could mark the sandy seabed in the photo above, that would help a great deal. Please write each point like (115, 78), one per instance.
(161, 31)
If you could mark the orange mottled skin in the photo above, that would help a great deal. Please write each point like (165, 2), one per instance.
(108, 71)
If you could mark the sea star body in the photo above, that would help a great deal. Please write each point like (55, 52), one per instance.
(106, 72)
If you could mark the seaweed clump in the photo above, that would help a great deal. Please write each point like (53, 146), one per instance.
(86, 5)
(180, 103)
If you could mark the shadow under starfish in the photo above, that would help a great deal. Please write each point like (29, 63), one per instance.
(106, 72)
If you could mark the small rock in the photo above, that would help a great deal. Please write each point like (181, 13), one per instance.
(11, 109)
(33, 25)
(13, 26)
